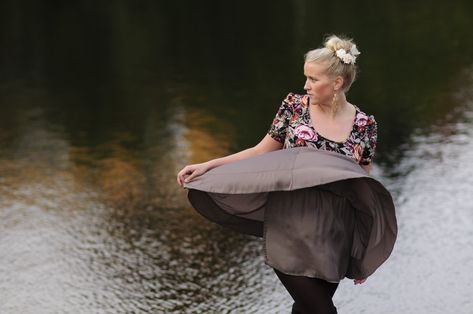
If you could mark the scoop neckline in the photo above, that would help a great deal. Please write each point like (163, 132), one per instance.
(357, 110)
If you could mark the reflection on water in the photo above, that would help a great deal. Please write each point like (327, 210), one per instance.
(104, 228)
(97, 118)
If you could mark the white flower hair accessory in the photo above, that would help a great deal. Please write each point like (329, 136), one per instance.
(348, 57)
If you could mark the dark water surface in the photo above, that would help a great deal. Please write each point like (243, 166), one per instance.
(102, 103)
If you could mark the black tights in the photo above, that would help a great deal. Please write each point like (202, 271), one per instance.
(311, 295)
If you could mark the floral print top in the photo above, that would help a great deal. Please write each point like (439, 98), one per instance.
(292, 127)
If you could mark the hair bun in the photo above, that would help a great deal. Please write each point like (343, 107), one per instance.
(334, 43)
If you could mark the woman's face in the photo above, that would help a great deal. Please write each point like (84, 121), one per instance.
(318, 85)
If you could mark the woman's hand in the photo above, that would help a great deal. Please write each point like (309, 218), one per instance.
(358, 281)
(191, 171)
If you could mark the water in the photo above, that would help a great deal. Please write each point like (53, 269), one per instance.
(101, 105)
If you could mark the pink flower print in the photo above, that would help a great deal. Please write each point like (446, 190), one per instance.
(361, 119)
(305, 132)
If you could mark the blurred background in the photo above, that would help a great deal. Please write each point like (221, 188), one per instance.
(102, 102)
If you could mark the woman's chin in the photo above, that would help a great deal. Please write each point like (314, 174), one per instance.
(314, 100)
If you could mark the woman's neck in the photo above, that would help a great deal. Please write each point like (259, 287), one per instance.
(327, 109)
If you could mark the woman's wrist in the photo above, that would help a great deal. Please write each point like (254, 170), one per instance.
(210, 164)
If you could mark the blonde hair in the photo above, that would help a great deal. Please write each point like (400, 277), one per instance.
(336, 67)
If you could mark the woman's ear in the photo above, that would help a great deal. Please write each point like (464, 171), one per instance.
(338, 83)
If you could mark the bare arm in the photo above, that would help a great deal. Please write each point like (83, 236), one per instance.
(267, 144)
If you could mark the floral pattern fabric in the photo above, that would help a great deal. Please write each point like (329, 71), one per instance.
(291, 126)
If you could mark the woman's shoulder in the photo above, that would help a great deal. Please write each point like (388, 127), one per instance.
(295, 100)
(366, 126)
(364, 119)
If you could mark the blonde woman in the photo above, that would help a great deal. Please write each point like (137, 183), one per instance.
(320, 226)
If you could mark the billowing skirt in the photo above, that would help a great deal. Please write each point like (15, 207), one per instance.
(319, 213)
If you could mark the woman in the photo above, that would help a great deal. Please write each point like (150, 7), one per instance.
(310, 247)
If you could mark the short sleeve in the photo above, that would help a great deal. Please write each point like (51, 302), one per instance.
(371, 138)
(280, 122)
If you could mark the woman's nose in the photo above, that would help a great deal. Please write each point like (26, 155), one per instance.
(306, 85)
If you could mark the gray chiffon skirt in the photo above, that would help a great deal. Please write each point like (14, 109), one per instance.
(319, 213)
